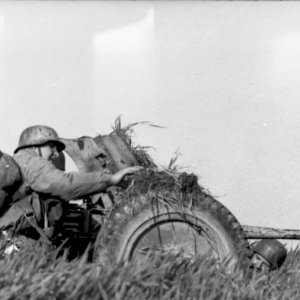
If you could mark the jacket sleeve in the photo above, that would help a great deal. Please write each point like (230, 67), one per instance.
(44, 177)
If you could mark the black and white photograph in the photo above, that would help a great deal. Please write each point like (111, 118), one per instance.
(149, 149)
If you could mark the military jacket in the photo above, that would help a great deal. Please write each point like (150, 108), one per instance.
(40, 175)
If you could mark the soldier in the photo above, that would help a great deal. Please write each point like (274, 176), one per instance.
(269, 255)
(45, 187)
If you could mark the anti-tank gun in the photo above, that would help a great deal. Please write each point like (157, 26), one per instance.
(154, 212)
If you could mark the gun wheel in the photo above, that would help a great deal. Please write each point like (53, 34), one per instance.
(196, 226)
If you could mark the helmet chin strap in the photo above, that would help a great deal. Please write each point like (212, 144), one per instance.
(38, 150)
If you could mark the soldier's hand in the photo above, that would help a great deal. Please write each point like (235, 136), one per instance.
(117, 177)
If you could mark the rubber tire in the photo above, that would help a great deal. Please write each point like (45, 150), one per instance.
(123, 228)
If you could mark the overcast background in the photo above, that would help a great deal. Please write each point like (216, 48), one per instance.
(222, 77)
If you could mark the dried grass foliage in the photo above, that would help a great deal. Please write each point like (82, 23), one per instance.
(32, 274)
(165, 182)
(127, 133)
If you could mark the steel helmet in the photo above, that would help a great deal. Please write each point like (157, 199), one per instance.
(37, 136)
(272, 251)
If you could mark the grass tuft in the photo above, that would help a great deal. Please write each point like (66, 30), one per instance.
(35, 275)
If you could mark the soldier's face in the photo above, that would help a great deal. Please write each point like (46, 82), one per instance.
(49, 151)
(260, 263)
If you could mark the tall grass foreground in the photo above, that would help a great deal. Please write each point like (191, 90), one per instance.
(33, 273)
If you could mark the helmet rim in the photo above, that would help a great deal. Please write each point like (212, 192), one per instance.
(59, 145)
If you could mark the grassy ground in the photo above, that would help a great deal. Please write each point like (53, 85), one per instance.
(32, 274)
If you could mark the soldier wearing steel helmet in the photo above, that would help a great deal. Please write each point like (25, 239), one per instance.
(268, 255)
(38, 146)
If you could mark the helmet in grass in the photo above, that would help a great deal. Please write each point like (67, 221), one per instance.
(272, 251)
(39, 135)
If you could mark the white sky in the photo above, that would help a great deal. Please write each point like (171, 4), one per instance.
(223, 77)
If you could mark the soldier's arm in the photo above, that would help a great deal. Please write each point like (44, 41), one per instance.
(43, 177)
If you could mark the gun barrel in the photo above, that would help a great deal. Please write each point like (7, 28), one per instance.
(257, 232)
